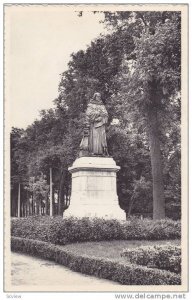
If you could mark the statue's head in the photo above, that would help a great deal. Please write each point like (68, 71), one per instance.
(97, 96)
(96, 99)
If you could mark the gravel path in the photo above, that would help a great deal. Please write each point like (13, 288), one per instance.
(28, 270)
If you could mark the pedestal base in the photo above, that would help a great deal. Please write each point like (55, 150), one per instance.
(94, 191)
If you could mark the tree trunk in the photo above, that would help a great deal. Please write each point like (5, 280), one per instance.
(37, 207)
(19, 201)
(33, 200)
(156, 164)
(61, 195)
(51, 193)
(28, 209)
(27, 204)
(40, 207)
(128, 213)
(22, 209)
(14, 202)
(32, 205)
(46, 205)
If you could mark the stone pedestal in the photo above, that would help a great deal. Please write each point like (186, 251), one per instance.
(94, 192)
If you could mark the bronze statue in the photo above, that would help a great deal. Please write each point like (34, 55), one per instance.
(94, 140)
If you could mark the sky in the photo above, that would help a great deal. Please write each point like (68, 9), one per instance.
(39, 41)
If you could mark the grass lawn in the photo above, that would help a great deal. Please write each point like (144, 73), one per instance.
(112, 249)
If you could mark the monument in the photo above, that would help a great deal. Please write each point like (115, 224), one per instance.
(94, 191)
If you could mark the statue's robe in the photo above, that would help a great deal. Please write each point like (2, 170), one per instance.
(97, 117)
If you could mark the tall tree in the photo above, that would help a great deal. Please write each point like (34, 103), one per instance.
(19, 154)
(152, 79)
(39, 190)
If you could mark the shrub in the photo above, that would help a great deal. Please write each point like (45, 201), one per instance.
(126, 274)
(69, 230)
(166, 257)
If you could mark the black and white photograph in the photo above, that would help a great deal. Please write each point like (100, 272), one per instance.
(96, 148)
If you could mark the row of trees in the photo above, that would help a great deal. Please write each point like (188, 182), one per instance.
(136, 67)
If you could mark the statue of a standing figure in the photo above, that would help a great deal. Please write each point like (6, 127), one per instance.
(94, 140)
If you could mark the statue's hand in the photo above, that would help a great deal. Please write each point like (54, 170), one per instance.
(98, 119)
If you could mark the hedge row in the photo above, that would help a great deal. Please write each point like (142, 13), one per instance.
(126, 274)
(63, 231)
(166, 257)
